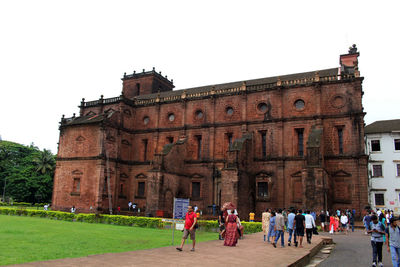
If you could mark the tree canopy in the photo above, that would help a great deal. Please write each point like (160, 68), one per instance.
(26, 173)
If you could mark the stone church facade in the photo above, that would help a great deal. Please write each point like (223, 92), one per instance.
(293, 140)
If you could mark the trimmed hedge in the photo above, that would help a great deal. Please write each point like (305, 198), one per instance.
(249, 227)
(22, 204)
(149, 222)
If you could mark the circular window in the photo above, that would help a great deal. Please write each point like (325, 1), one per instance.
(229, 111)
(262, 107)
(146, 120)
(171, 117)
(199, 114)
(299, 104)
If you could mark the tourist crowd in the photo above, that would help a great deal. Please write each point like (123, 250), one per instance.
(381, 225)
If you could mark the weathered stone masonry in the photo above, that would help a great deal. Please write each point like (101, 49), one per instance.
(294, 140)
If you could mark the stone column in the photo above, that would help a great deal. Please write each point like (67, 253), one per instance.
(229, 184)
(153, 192)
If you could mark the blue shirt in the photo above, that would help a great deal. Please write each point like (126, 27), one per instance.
(377, 237)
(272, 222)
(394, 236)
(291, 220)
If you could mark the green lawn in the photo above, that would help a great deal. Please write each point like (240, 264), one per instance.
(26, 239)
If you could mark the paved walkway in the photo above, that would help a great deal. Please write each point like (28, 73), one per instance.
(251, 251)
(352, 250)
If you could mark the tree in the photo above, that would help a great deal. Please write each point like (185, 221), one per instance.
(45, 162)
(26, 173)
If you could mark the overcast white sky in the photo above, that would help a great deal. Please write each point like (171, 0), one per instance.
(54, 53)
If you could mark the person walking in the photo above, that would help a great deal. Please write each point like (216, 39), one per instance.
(322, 219)
(300, 225)
(310, 224)
(266, 216)
(351, 219)
(332, 225)
(377, 230)
(189, 228)
(221, 222)
(344, 220)
(129, 205)
(367, 221)
(291, 227)
(279, 229)
(284, 214)
(271, 230)
(231, 231)
(393, 240)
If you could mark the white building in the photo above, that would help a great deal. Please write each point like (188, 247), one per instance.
(383, 147)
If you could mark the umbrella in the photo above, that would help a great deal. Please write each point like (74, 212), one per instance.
(228, 206)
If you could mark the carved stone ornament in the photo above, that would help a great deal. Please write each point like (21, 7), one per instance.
(338, 101)
(80, 138)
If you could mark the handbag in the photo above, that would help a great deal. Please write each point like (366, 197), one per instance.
(315, 231)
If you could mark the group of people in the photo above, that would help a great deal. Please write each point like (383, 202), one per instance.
(340, 221)
(131, 206)
(296, 223)
(383, 227)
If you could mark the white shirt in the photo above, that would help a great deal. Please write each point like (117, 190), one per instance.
(344, 219)
(310, 223)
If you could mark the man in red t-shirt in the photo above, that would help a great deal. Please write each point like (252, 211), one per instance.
(190, 222)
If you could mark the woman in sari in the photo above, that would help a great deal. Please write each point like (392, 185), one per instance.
(337, 225)
(266, 216)
(231, 233)
(332, 225)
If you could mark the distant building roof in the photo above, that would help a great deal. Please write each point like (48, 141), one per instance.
(387, 126)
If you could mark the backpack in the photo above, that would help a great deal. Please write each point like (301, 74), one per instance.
(381, 226)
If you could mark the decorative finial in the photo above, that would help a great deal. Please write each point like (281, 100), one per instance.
(124, 74)
(316, 76)
(172, 80)
(160, 72)
(134, 72)
(101, 97)
(63, 116)
(278, 82)
(353, 49)
(73, 116)
(166, 76)
(154, 69)
(143, 70)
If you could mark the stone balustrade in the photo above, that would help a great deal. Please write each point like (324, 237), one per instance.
(225, 91)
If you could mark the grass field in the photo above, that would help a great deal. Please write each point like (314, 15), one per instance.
(26, 239)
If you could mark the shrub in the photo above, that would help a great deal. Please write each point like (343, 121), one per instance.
(209, 226)
(252, 227)
(149, 222)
